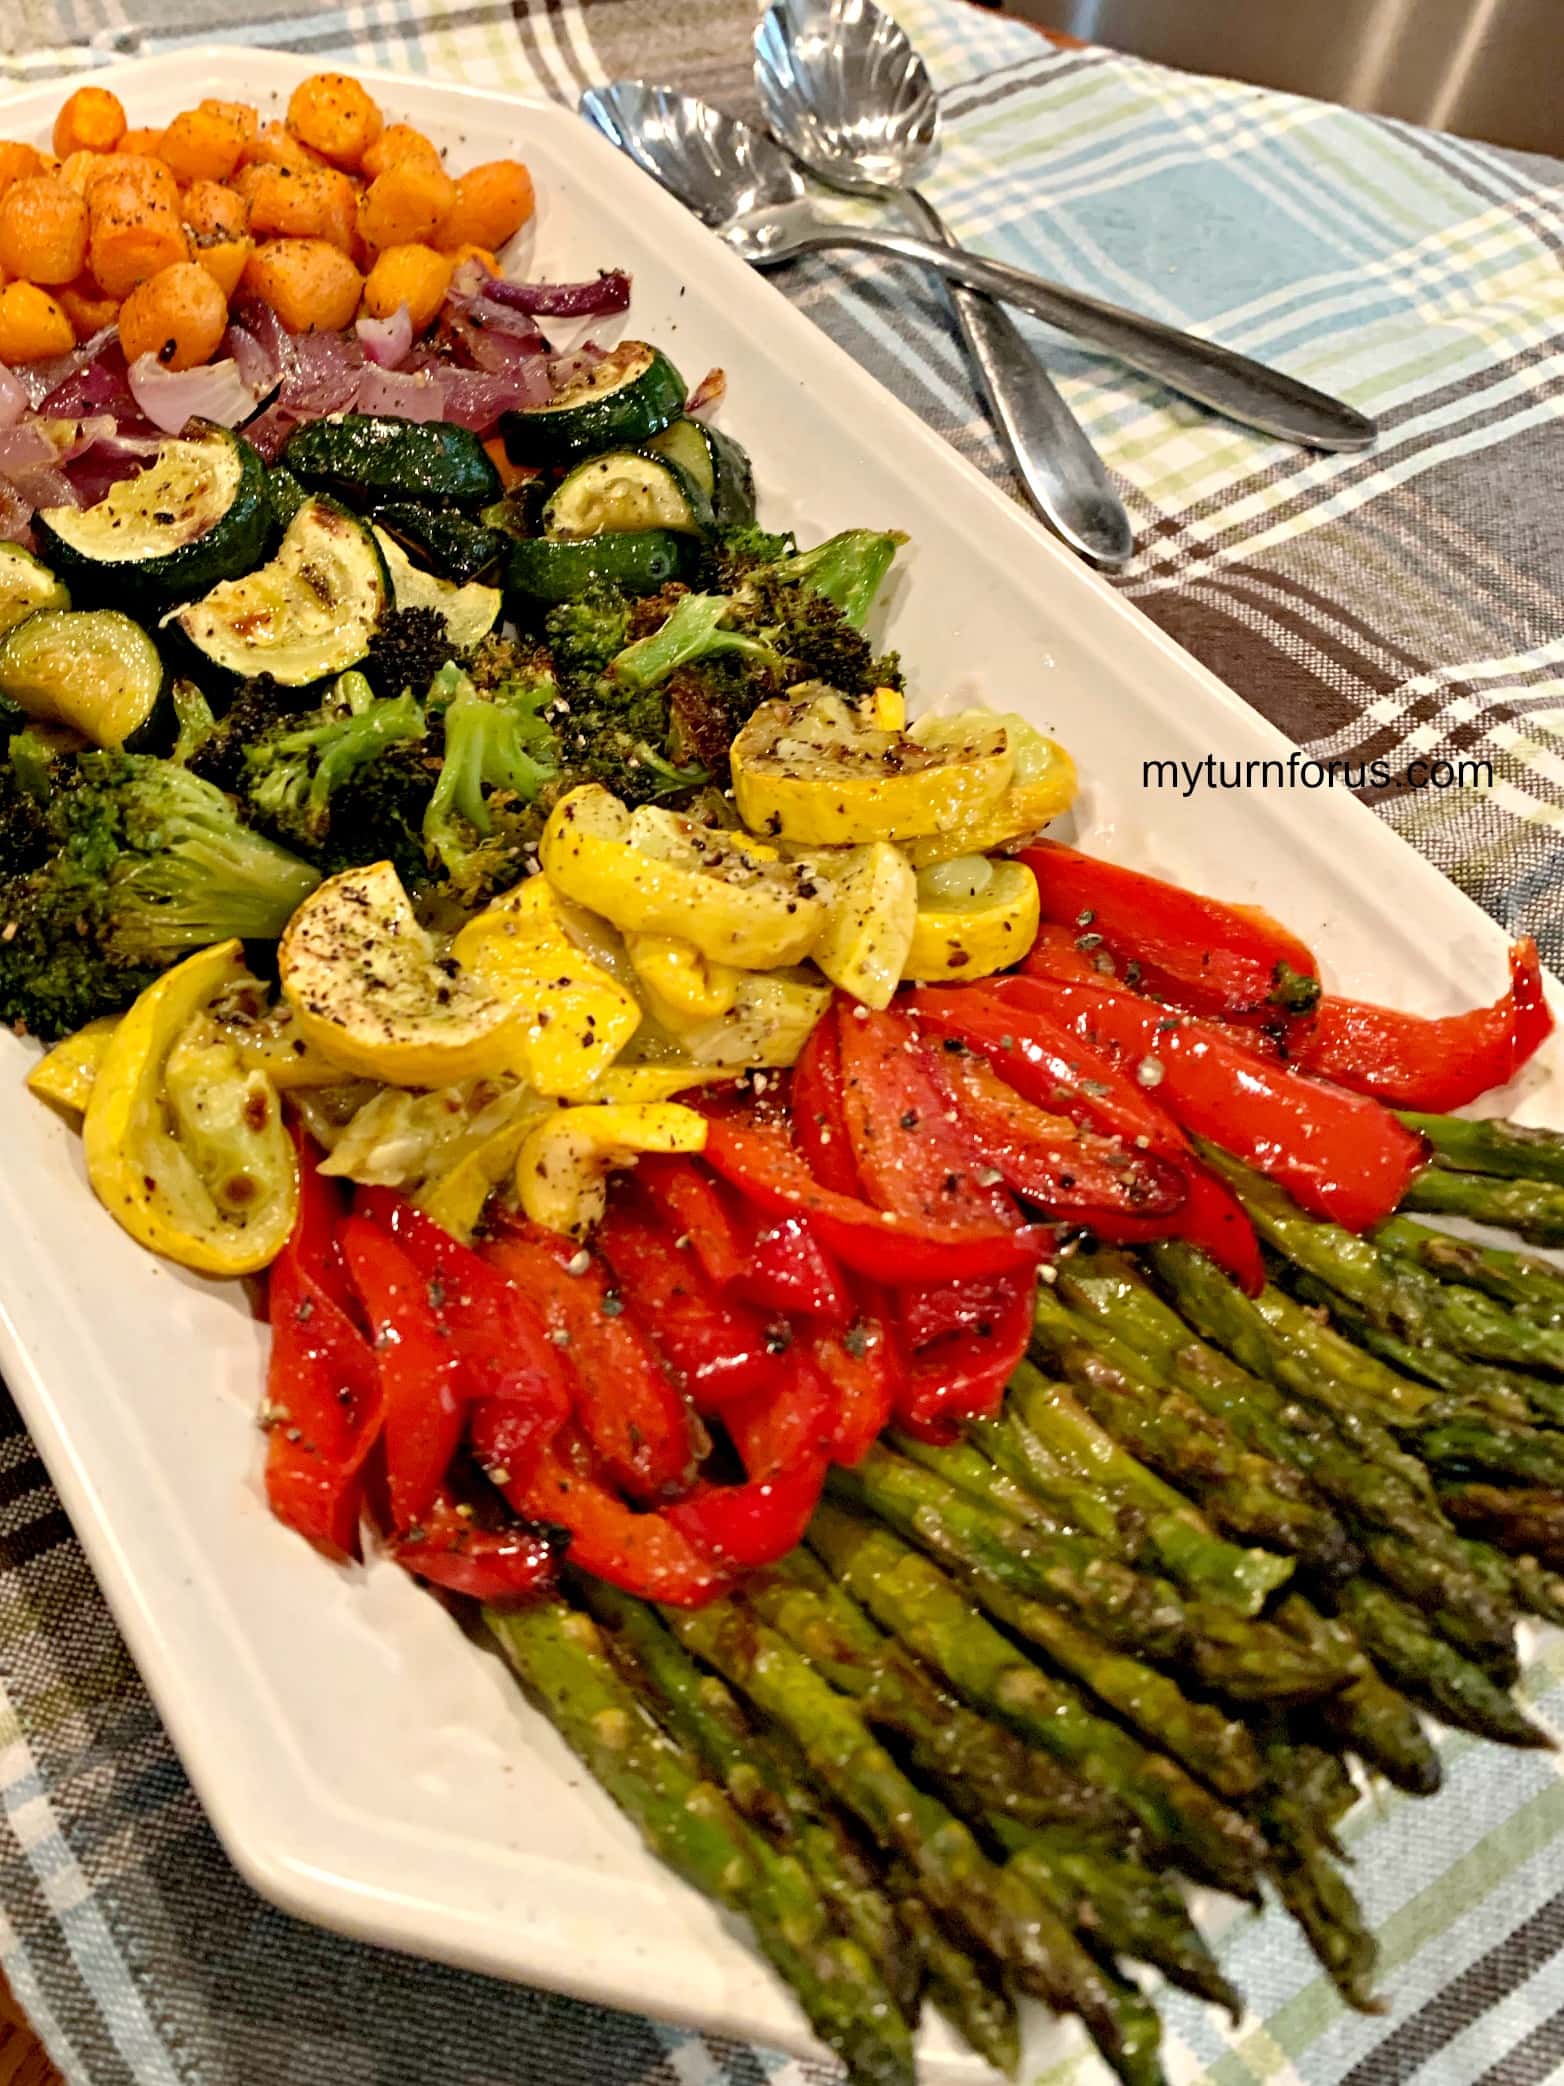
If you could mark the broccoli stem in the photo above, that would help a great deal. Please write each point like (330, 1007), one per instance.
(692, 632)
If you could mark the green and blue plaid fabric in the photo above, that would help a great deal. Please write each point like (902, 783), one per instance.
(1407, 602)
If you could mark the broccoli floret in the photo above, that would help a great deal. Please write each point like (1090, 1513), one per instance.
(293, 772)
(499, 756)
(514, 672)
(848, 569)
(408, 649)
(147, 863)
(260, 706)
(739, 551)
(699, 628)
(585, 634)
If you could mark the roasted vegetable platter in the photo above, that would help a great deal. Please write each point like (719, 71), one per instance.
(801, 1212)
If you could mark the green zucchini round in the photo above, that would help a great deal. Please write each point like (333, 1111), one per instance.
(91, 669)
(631, 395)
(26, 585)
(717, 464)
(310, 612)
(452, 544)
(626, 490)
(197, 514)
(541, 570)
(366, 456)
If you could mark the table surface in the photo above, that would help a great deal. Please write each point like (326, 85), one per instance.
(1402, 604)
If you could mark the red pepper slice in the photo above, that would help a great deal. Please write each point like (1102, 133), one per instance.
(784, 1435)
(863, 1368)
(1072, 1173)
(642, 1552)
(501, 1565)
(1409, 1061)
(1056, 953)
(715, 1346)
(931, 1312)
(504, 1347)
(315, 1242)
(1340, 1156)
(1011, 1026)
(761, 1160)
(819, 1118)
(692, 1205)
(1234, 961)
(787, 1269)
(634, 1416)
(421, 1375)
(910, 1151)
(324, 1408)
(754, 1523)
(963, 1376)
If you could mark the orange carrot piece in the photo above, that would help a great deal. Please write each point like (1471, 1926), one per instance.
(310, 284)
(33, 325)
(493, 202)
(335, 116)
(91, 120)
(43, 230)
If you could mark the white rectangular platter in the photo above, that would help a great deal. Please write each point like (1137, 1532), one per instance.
(366, 1766)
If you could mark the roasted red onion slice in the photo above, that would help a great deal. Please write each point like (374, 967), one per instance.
(608, 292)
(13, 397)
(386, 341)
(212, 391)
(403, 393)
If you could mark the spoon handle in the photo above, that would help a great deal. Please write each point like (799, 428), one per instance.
(1060, 469)
(1217, 377)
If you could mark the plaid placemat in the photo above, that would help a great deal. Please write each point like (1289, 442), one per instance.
(1407, 604)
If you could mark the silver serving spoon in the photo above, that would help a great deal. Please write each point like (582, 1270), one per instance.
(734, 178)
(845, 92)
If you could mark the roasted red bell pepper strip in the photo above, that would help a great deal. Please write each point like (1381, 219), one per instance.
(1234, 961)
(793, 1420)
(1011, 1025)
(502, 1341)
(911, 1152)
(760, 1159)
(513, 1564)
(1433, 1065)
(716, 1347)
(642, 1552)
(315, 1242)
(787, 1269)
(323, 1408)
(421, 1377)
(754, 1523)
(1073, 1173)
(819, 1119)
(1056, 953)
(1339, 1155)
(783, 1435)
(694, 1206)
(963, 1376)
(863, 1366)
(633, 1414)
(934, 1309)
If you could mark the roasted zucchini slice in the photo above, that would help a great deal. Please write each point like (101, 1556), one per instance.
(626, 489)
(92, 669)
(451, 543)
(541, 571)
(823, 771)
(310, 612)
(197, 514)
(470, 612)
(631, 395)
(26, 585)
(366, 456)
(717, 466)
